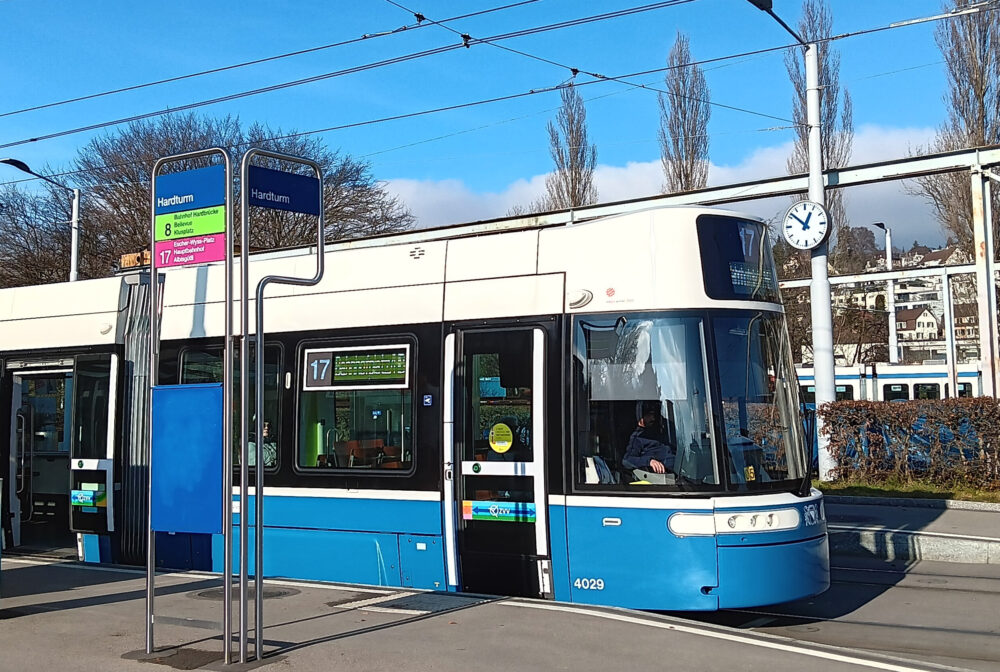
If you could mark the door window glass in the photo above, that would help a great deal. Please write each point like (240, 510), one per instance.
(90, 409)
(498, 375)
(49, 396)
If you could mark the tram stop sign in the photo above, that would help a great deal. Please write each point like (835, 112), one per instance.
(190, 226)
(279, 190)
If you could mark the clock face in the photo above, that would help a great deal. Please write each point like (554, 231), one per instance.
(806, 225)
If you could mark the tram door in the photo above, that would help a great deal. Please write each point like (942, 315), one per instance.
(495, 463)
(41, 403)
(60, 411)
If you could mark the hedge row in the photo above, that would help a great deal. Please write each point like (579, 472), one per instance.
(944, 441)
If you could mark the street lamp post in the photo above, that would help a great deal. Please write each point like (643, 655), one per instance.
(890, 295)
(819, 287)
(74, 218)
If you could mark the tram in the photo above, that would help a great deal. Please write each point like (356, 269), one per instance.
(894, 382)
(454, 409)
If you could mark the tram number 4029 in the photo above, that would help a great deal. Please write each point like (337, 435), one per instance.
(588, 584)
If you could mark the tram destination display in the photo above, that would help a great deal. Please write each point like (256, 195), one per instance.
(736, 259)
(374, 367)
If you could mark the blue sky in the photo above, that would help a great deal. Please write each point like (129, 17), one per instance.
(476, 162)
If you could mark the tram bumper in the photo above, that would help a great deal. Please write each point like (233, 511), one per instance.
(753, 576)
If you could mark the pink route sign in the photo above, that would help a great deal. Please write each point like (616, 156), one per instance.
(187, 251)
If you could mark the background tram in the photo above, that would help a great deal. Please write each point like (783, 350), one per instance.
(895, 382)
(452, 410)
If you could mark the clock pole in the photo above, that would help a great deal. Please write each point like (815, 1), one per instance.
(819, 288)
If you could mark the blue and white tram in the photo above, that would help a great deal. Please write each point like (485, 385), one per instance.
(894, 382)
(454, 409)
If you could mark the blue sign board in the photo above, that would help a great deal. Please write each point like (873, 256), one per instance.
(187, 492)
(191, 190)
(282, 191)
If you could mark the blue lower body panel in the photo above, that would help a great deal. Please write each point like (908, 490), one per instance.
(627, 557)
(747, 573)
(382, 542)
(372, 558)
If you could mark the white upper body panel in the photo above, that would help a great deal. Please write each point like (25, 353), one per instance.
(62, 315)
(645, 260)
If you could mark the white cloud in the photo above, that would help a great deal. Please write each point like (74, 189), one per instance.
(441, 202)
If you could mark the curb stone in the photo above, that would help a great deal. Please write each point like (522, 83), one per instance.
(956, 504)
(894, 545)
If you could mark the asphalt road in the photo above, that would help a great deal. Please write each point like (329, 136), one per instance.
(935, 612)
(65, 617)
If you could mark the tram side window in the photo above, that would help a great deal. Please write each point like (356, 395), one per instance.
(807, 393)
(356, 408)
(965, 389)
(204, 365)
(643, 416)
(895, 392)
(927, 391)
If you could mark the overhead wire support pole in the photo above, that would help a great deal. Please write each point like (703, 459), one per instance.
(819, 289)
(259, 386)
(985, 259)
(74, 233)
(74, 221)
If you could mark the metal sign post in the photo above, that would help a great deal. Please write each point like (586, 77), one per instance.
(191, 224)
(275, 189)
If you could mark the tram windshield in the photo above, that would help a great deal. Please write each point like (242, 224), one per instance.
(655, 411)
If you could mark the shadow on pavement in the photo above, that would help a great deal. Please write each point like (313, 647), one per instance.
(31, 581)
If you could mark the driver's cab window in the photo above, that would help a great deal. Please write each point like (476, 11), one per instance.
(642, 417)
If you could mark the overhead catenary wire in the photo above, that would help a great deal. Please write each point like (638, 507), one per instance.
(258, 61)
(574, 71)
(436, 110)
(987, 6)
(353, 70)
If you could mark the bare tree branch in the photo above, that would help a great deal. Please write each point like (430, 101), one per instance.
(572, 183)
(969, 45)
(684, 115)
(113, 173)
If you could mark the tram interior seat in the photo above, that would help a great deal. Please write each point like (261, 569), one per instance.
(361, 453)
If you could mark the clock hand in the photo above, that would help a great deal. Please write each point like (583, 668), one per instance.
(796, 218)
(805, 224)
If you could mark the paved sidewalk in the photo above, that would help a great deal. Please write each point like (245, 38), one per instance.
(912, 530)
(68, 617)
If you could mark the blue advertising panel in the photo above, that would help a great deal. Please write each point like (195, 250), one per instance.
(187, 492)
(191, 190)
(282, 191)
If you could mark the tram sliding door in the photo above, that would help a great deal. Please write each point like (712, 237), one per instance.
(62, 421)
(39, 457)
(495, 499)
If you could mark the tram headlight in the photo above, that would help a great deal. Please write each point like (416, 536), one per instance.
(757, 521)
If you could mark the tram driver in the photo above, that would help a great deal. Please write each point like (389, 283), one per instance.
(648, 448)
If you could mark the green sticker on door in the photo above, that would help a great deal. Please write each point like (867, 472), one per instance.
(501, 438)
